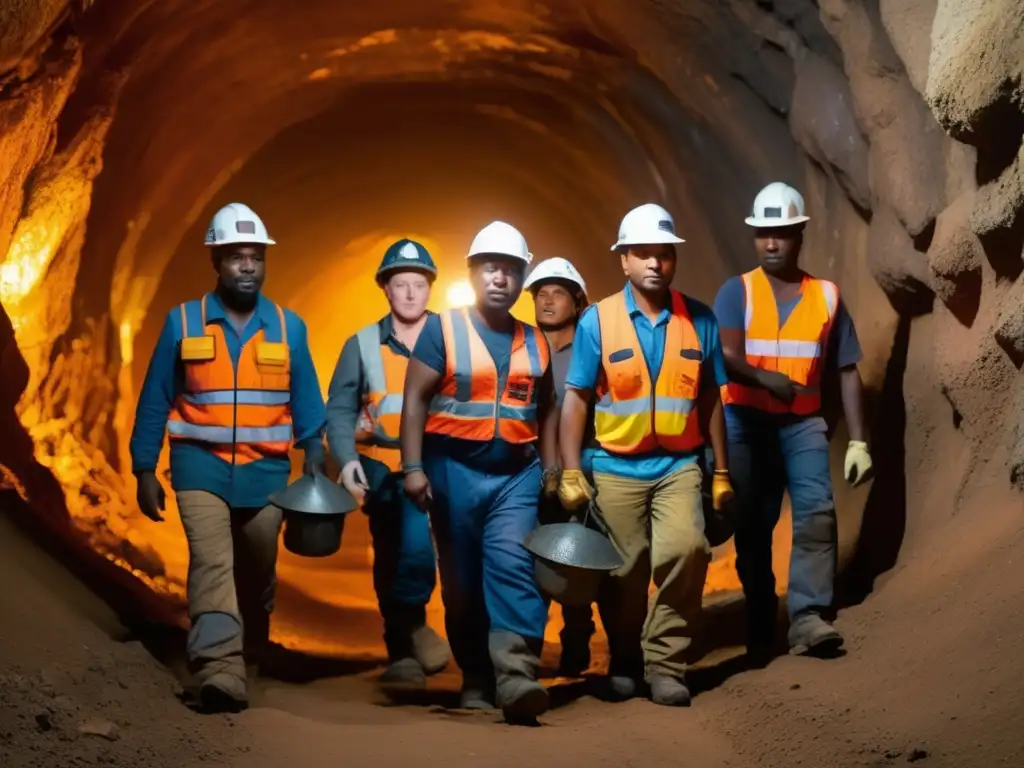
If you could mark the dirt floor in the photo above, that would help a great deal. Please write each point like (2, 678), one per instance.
(933, 676)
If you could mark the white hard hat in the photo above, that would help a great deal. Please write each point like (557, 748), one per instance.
(648, 224)
(237, 223)
(501, 239)
(556, 268)
(777, 205)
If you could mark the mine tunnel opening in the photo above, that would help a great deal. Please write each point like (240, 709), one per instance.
(558, 137)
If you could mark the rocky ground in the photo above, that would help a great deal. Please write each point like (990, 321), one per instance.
(932, 677)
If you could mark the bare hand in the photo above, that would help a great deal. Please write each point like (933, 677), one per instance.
(151, 497)
(417, 488)
(779, 385)
(354, 479)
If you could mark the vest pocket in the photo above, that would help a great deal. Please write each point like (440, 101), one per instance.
(198, 349)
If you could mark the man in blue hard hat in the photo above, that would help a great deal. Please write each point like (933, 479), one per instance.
(364, 410)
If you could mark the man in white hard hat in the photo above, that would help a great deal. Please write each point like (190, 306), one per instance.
(780, 328)
(479, 402)
(364, 409)
(652, 357)
(232, 382)
(559, 296)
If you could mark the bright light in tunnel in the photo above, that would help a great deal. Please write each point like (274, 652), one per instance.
(460, 294)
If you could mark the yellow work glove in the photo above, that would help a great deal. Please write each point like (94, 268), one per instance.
(549, 482)
(721, 489)
(573, 490)
(858, 462)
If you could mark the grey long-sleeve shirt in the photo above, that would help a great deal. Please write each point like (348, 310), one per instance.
(345, 394)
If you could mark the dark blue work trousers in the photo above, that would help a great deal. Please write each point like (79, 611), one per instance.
(767, 458)
(480, 520)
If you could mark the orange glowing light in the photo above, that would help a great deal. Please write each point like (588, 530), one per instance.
(460, 294)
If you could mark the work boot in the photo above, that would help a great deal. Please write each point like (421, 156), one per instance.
(516, 661)
(404, 673)
(811, 635)
(477, 693)
(619, 688)
(669, 691)
(222, 692)
(430, 650)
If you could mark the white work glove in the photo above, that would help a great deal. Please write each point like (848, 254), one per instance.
(354, 480)
(858, 462)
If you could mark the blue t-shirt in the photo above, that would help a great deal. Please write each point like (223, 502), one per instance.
(496, 456)
(585, 369)
(843, 348)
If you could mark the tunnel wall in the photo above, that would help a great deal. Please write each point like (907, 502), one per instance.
(901, 120)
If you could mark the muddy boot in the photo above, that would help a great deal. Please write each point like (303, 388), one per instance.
(625, 678)
(516, 660)
(430, 650)
(477, 693)
(669, 691)
(404, 674)
(223, 692)
(811, 635)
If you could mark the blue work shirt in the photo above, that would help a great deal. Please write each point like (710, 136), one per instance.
(586, 364)
(843, 349)
(496, 456)
(193, 467)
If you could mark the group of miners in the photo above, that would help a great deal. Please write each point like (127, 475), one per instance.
(459, 432)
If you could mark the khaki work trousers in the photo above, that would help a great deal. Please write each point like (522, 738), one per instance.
(231, 583)
(658, 528)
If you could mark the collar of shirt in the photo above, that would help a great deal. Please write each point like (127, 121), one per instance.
(635, 312)
(265, 314)
(387, 332)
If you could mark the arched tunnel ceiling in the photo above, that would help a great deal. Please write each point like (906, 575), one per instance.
(581, 119)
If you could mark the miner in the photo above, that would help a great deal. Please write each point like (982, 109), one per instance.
(780, 329)
(559, 296)
(364, 410)
(232, 382)
(652, 357)
(479, 401)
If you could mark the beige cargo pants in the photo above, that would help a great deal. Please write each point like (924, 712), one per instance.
(231, 583)
(658, 528)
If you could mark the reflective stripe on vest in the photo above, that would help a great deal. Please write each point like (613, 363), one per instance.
(384, 373)
(632, 416)
(239, 415)
(796, 348)
(467, 404)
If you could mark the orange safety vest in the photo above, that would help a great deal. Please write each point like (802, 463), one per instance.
(468, 404)
(377, 433)
(632, 416)
(796, 349)
(241, 415)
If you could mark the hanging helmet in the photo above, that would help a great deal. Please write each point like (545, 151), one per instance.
(556, 268)
(406, 256)
(500, 239)
(777, 205)
(237, 223)
(648, 224)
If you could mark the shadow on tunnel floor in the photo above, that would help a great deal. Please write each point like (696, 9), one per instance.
(885, 513)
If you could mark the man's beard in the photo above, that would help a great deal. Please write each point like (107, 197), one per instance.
(240, 301)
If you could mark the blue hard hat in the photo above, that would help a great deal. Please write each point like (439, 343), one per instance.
(406, 255)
